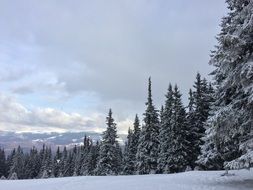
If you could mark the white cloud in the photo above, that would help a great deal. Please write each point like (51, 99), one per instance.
(16, 117)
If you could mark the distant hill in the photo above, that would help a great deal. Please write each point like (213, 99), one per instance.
(10, 140)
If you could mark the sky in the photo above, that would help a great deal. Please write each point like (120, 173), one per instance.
(64, 63)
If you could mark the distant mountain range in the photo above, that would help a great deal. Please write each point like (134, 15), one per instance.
(10, 140)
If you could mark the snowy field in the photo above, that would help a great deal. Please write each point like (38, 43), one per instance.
(195, 180)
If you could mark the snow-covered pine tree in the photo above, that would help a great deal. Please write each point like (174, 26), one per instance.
(77, 160)
(148, 147)
(70, 167)
(3, 164)
(128, 159)
(9, 161)
(135, 140)
(46, 162)
(108, 162)
(13, 176)
(85, 154)
(131, 148)
(193, 132)
(201, 106)
(64, 163)
(231, 126)
(179, 145)
(17, 164)
(92, 158)
(165, 132)
(200, 101)
(3, 178)
(32, 165)
(56, 162)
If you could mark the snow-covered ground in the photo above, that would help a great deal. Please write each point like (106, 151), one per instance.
(194, 180)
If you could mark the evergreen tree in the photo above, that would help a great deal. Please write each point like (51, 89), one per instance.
(3, 178)
(17, 164)
(13, 176)
(3, 164)
(108, 162)
(200, 101)
(63, 163)
(135, 141)
(46, 168)
(179, 145)
(92, 158)
(201, 111)
(231, 125)
(193, 137)
(86, 154)
(31, 164)
(56, 163)
(148, 143)
(165, 132)
(128, 156)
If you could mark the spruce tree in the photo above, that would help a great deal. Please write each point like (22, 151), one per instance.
(165, 132)
(13, 176)
(149, 142)
(179, 145)
(32, 166)
(92, 159)
(3, 164)
(193, 137)
(109, 155)
(56, 163)
(231, 125)
(200, 101)
(135, 140)
(201, 111)
(129, 157)
(17, 164)
(64, 163)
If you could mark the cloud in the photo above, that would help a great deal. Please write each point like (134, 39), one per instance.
(93, 55)
(101, 46)
(16, 117)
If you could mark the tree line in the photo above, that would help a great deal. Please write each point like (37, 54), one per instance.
(168, 141)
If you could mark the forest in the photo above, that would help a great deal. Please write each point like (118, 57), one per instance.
(213, 132)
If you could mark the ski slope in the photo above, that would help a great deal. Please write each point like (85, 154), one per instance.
(194, 180)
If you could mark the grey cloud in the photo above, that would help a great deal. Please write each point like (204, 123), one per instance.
(110, 48)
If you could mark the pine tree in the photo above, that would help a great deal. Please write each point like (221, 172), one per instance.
(178, 148)
(201, 111)
(46, 168)
(200, 101)
(56, 163)
(31, 164)
(3, 164)
(63, 163)
(86, 154)
(108, 162)
(193, 137)
(17, 164)
(128, 156)
(13, 176)
(231, 125)
(92, 158)
(3, 178)
(135, 141)
(148, 143)
(165, 132)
